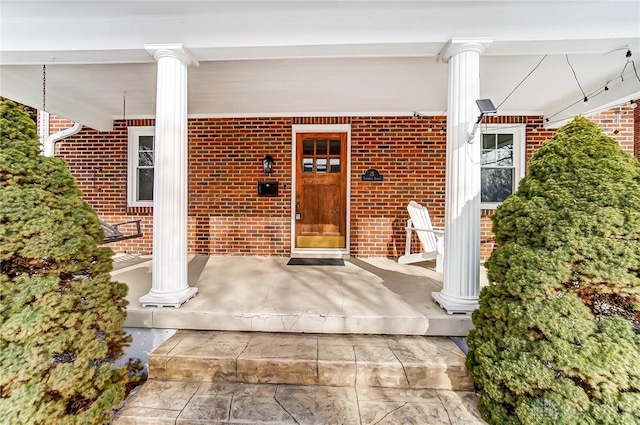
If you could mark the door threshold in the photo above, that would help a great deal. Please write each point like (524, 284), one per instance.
(319, 253)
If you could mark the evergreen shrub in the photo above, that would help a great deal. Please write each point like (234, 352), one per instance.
(61, 316)
(557, 334)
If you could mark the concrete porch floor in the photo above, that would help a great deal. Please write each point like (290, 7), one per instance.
(365, 296)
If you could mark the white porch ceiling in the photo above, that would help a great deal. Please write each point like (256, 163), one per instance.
(316, 57)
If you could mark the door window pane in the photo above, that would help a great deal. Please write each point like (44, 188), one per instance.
(307, 147)
(145, 184)
(321, 165)
(334, 147)
(334, 165)
(321, 147)
(307, 165)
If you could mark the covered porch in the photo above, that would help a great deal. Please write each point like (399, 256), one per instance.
(155, 65)
(365, 296)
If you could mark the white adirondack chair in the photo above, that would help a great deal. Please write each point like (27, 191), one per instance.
(431, 238)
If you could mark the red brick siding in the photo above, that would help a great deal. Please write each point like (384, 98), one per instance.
(227, 217)
(98, 161)
(57, 123)
(636, 127)
(618, 123)
(410, 154)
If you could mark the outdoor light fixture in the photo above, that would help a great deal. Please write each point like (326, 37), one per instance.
(267, 164)
(486, 107)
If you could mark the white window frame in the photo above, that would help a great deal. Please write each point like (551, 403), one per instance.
(132, 164)
(519, 132)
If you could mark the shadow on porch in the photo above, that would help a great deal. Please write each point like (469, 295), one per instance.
(365, 296)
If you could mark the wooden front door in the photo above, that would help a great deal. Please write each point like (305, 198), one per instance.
(321, 190)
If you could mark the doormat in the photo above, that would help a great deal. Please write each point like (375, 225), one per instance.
(316, 262)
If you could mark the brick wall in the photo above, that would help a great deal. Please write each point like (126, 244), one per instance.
(98, 161)
(227, 217)
(410, 153)
(618, 122)
(636, 122)
(57, 123)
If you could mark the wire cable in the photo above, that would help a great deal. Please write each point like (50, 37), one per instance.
(576, 77)
(523, 80)
(635, 70)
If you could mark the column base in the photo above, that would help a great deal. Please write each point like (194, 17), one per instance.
(455, 305)
(171, 299)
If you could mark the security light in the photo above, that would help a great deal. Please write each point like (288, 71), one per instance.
(486, 107)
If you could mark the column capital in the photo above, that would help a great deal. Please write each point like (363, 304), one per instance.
(459, 45)
(172, 50)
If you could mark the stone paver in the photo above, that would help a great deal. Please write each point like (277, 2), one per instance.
(311, 359)
(243, 378)
(261, 404)
(280, 358)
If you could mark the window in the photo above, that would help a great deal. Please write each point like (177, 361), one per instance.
(140, 166)
(502, 162)
(319, 153)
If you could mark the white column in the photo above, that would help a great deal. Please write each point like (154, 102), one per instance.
(169, 285)
(461, 285)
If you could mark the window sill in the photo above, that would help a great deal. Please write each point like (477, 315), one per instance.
(491, 206)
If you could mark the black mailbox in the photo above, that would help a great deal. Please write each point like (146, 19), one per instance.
(268, 188)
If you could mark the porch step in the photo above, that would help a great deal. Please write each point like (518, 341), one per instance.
(253, 378)
(304, 359)
(217, 403)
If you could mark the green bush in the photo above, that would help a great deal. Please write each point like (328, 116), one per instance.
(61, 316)
(557, 334)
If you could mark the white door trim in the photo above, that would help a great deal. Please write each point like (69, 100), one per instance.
(320, 128)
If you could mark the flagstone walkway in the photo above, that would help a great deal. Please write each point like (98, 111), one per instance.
(253, 378)
(199, 403)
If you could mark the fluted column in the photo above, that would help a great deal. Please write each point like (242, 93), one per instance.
(461, 285)
(169, 285)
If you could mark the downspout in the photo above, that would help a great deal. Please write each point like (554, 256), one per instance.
(50, 144)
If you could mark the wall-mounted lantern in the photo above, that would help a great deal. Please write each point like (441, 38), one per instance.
(267, 164)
